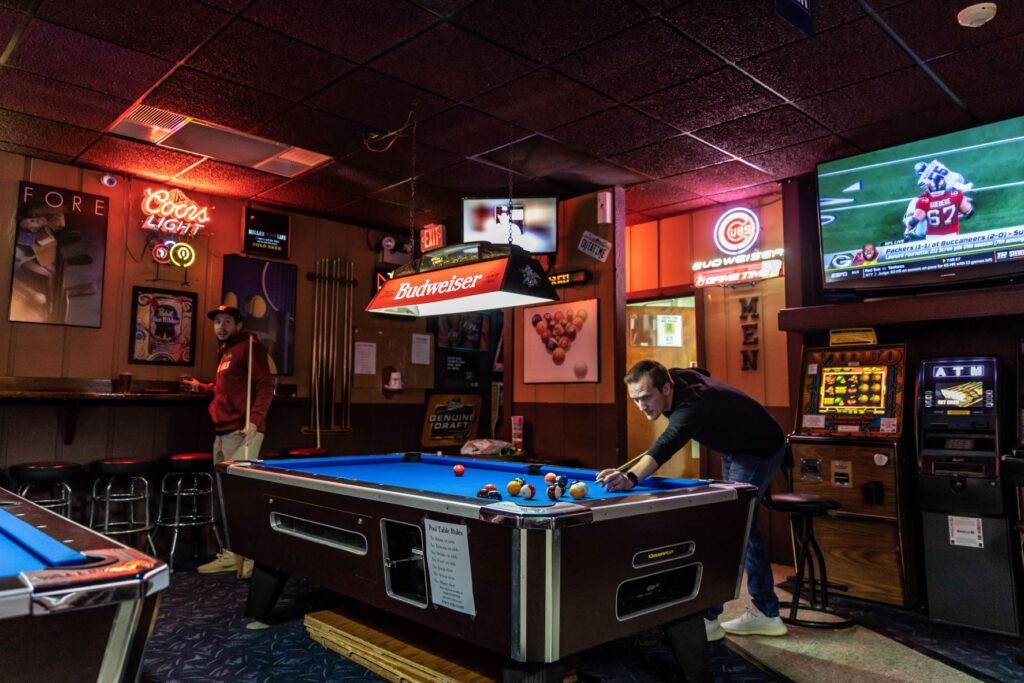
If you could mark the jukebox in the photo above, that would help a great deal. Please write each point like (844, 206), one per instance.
(969, 546)
(846, 447)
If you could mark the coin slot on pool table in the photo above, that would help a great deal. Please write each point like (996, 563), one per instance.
(317, 532)
(657, 591)
(405, 572)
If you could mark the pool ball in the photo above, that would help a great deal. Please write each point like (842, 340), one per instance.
(458, 470)
(493, 495)
(537, 317)
(513, 487)
(490, 487)
(562, 481)
(550, 477)
(558, 354)
(482, 493)
(554, 492)
(528, 491)
(578, 489)
(520, 480)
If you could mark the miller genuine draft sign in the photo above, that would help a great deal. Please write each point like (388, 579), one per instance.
(451, 419)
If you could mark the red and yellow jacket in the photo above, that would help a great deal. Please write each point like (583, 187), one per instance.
(227, 409)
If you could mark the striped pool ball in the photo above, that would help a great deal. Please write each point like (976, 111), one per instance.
(554, 493)
(562, 481)
(528, 491)
(578, 489)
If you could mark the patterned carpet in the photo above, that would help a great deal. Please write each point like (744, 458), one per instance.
(200, 635)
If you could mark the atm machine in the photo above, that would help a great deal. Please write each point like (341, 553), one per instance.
(969, 546)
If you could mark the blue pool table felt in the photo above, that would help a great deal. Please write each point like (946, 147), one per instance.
(435, 474)
(23, 548)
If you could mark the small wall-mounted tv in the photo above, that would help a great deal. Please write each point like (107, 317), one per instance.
(943, 210)
(534, 222)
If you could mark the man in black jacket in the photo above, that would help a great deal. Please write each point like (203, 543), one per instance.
(752, 445)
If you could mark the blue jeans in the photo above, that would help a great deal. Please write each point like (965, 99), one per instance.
(750, 469)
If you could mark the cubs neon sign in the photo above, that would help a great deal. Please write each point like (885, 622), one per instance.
(171, 211)
(736, 231)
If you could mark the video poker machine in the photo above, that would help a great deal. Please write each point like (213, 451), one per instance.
(966, 509)
(846, 446)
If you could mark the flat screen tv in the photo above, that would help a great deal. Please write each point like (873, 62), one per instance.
(534, 222)
(943, 210)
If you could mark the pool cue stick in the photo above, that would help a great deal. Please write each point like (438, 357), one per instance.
(248, 398)
(629, 464)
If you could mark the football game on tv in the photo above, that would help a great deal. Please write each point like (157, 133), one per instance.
(533, 222)
(947, 208)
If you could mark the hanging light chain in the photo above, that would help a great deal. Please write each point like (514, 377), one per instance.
(412, 193)
(511, 158)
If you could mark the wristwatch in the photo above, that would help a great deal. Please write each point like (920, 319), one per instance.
(632, 478)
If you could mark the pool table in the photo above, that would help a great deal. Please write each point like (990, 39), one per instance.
(532, 580)
(74, 605)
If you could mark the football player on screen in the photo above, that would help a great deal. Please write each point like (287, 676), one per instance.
(926, 172)
(937, 211)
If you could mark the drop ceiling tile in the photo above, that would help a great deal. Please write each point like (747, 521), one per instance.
(379, 102)
(1001, 104)
(351, 178)
(305, 196)
(547, 30)
(217, 177)
(639, 61)
(314, 130)
(467, 132)
(9, 20)
(472, 178)
(541, 100)
(85, 61)
(613, 131)
(444, 8)
(48, 136)
(136, 158)
(940, 34)
(434, 198)
(720, 96)
(597, 174)
(265, 60)
(872, 100)
(453, 63)
(908, 128)
(212, 99)
(18, 5)
(670, 210)
(354, 29)
(731, 175)
(982, 69)
(734, 31)
(398, 158)
(373, 213)
(537, 156)
(746, 193)
(656, 193)
(635, 217)
(168, 29)
(227, 5)
(779, 127)
(39, 96)
(825, 62)
(34, 152)
(803, 157)
(670, 157)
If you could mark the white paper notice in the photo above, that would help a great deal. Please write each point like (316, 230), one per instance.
(451, 581)
(812, 368)
(366, 358)
(887, 425)
(814, 421)
(966, 531)
(421, 349)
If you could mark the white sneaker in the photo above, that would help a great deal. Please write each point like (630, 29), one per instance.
(714, 630)
(755, 623)
(224, 562)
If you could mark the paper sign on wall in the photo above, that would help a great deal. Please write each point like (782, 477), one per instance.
(366, 358)
(451, 577)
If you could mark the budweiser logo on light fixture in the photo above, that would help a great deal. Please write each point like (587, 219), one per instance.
(171, 211)
(451, 285)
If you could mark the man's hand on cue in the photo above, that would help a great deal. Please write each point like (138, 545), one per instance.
(614, 480)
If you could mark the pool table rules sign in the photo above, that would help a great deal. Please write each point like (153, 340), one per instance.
(451, 580)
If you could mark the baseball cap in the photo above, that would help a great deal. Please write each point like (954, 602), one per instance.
(223, 308)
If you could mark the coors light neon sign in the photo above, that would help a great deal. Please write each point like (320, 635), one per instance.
(171, 211)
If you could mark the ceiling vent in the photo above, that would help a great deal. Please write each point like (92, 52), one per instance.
(185, 134)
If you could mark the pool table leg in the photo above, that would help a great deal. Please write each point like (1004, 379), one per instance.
(520, 672)
(689, 643)
(264, 590)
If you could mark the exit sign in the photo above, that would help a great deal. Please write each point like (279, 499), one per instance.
(431, 237)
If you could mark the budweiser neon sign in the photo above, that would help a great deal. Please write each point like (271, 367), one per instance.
(172, 212)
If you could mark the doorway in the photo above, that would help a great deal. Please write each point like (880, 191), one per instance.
(664, 330)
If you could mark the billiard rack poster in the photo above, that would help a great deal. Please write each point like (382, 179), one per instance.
(560, 343)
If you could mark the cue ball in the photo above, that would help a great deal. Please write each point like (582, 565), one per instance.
(458, 470)
(528, 491)
(580, 369)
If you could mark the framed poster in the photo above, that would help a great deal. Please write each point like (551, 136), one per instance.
(264, 291)
(560, 342)
(59, 249)
(163, 327)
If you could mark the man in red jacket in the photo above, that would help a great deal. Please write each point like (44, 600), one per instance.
(234, 438)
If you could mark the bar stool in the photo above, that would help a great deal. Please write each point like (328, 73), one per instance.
(804, 507)
(121, 482)
(50, 480)
(307, 452)
(188, 479)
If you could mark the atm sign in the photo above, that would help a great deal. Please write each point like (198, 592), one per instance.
(947, 371)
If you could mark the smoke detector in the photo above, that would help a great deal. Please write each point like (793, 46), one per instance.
(976, 15)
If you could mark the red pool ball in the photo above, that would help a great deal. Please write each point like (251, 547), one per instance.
(458, 470)
(490, 487)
